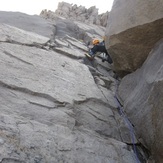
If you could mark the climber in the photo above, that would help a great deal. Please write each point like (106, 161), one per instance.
(99, 47)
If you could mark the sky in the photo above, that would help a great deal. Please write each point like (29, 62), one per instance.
(32, 7)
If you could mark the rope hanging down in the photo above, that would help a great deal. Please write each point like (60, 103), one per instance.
(127, 122)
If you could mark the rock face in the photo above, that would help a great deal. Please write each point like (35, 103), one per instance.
(134, 28)
(73, 12)
(142, 94)
(54, 108)
(23, 21)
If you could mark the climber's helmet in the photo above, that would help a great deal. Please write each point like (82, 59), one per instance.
(95, 41)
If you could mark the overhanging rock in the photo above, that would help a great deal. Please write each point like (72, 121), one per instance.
(134, 28)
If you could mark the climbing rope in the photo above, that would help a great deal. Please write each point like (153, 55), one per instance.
(127, 122)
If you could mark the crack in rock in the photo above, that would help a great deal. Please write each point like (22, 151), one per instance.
(11, 160)
(48, 107)
(34, 44)
(25, 90)
(10, 55)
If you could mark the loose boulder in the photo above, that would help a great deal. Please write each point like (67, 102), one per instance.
(133, 29)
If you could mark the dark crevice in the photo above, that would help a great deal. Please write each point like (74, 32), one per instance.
(142, 152)
(48, 107)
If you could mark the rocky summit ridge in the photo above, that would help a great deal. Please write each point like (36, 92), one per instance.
(78, 13)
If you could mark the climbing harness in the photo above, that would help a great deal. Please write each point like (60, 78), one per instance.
(120, 108)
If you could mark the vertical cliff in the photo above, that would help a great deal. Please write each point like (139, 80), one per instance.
(56, 105)
(134, 40)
